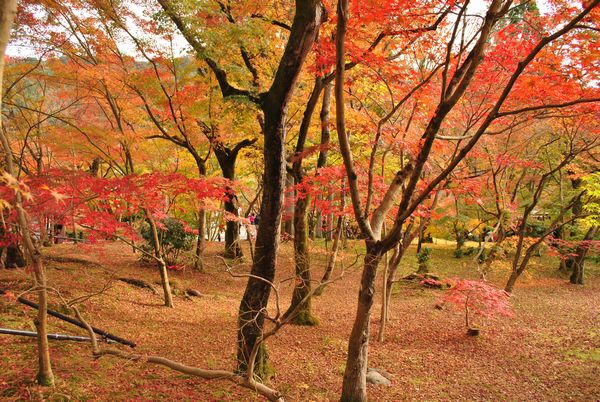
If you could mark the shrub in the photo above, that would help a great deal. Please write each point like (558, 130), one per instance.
(174, 238)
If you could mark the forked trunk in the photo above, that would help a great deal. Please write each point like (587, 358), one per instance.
(233, 248)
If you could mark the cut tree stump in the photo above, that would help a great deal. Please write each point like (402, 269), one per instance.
(473, 331)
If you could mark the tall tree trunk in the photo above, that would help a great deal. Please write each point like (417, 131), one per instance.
(44, 376)
(288, 224)
(8, 10)
(160, 260)
(318, 224)
(579, 260)
(304, 31)
(200, 243)
(384, 299)
(302, 289)
(421, 238)
(227, 158)
(354, 387)
(256, 296)
(325, 139)
(233, 248)
(332, 255)
(199, 252)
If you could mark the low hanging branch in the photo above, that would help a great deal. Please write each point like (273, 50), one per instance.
(102, 333)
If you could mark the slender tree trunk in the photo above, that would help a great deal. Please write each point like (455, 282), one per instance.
(324, 116)
(318, 224)
(160, 260)
(8, 10)
(45, 375)
(233, 248)
(394, 263)
(199, 253)
(421, 238)
(288, 223)
(200, 243)
(303, 286)
(354, 386)
(384, 300)
(512, 280)
(332, 255)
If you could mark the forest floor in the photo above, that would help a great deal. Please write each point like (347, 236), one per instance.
(550, 349)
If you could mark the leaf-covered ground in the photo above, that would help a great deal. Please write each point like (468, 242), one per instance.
(550, 350)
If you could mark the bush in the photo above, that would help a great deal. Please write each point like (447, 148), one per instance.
(173, 238)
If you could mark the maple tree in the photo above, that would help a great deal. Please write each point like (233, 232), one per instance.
(477, 298)
(451, 117)
(457, 75)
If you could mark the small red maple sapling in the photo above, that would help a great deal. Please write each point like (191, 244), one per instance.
(478, 298)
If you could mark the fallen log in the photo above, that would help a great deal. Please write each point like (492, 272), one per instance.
(58, 337)
(74, 321)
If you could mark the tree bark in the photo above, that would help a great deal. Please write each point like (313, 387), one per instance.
(579, 260)
(45, 377)
(323, 154)
(303, 286)
(199, 252)
(227, 158)
(200, 243)
(274, 103)
(160, 260)
(354, 387)
(14, 256)
(332, 256)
